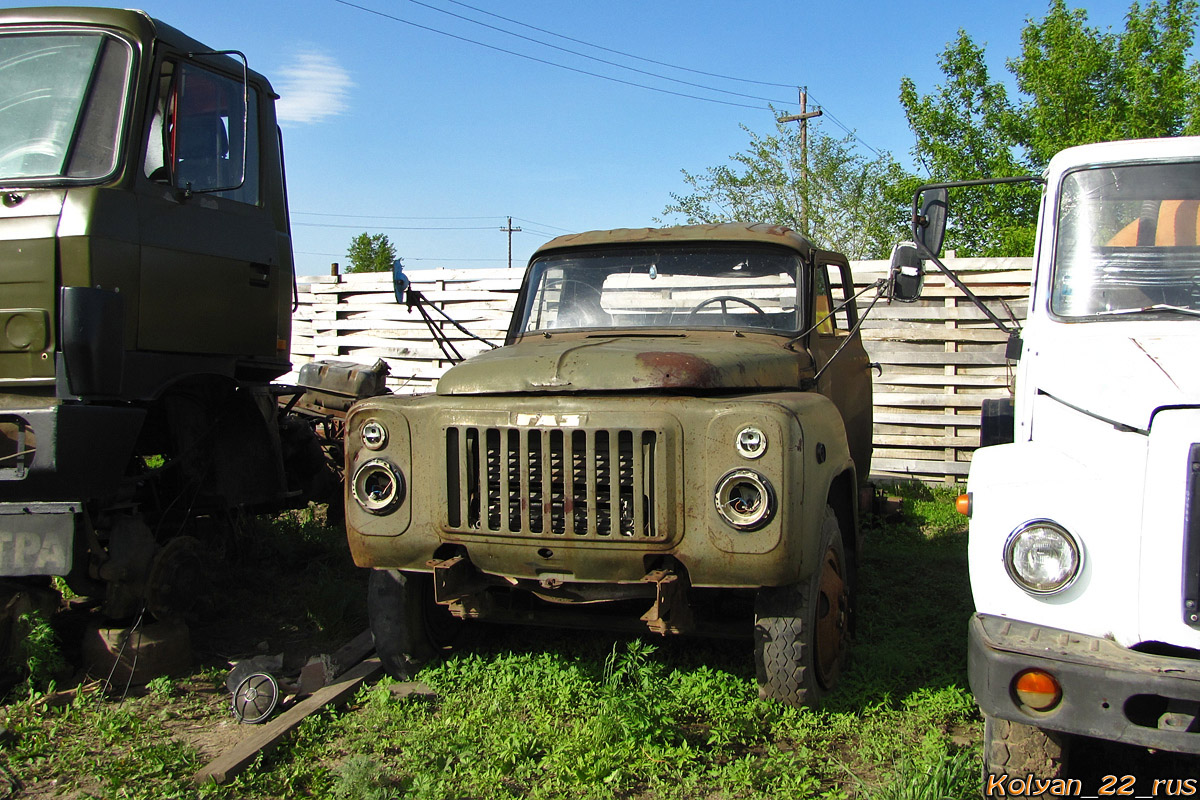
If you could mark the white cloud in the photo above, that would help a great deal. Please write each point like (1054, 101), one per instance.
(311, 89)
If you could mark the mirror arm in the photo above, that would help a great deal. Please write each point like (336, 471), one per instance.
(918, 220)
(974, 298)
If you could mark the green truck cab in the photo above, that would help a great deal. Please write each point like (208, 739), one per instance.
(674, 437)
(146, 264)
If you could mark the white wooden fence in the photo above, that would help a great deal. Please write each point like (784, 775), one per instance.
(940, 357)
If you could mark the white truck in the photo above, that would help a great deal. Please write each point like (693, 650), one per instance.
(1084, 501)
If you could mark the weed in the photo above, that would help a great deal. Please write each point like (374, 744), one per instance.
(362, 778)
(40, 653)
(162, 687)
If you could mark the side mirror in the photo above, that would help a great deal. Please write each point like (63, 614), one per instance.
(929, 225)
(906, 275)
(400, 281)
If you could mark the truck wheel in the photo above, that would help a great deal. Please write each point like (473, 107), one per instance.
(407, 625)
(1010, 748)
(802, 631)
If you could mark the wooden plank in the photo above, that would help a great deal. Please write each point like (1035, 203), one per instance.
(900, 379)
(935, 334)
(916, 467)
(887, 440)
(268, 736)
(943, 420)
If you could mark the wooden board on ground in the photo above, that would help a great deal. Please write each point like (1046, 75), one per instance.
(269, 735)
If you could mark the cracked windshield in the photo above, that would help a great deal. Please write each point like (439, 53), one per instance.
(1128, 242)
(665, 287)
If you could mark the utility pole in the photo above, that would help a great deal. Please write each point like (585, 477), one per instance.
(803, 117)
(510, 230)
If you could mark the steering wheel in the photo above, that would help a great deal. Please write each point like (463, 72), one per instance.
(725, 300)
(32, 154)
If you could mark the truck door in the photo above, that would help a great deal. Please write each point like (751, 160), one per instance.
(847, 380)
(210, 271)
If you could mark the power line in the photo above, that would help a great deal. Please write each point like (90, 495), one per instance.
(544, 61)
(854, 135)
(592, 58)
(543, 225)
(391, 227)
(370, 216)
(619, 52)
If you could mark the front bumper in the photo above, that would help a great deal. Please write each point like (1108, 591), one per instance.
(62, 452)
(1108, 691)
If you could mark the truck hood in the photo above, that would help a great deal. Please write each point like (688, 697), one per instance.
(609, 363)
(1123, 378)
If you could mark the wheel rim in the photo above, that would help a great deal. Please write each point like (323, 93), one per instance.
(833, 603)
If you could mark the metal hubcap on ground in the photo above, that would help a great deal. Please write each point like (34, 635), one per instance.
(833, 599)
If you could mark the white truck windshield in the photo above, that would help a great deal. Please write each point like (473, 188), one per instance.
(1128, 242)
(676, 286)
(61, 102)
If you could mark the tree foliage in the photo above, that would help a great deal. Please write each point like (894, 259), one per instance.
(1076, 84)
(844, 204)
(371, 253)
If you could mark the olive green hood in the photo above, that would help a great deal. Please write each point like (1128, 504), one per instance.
(610, 363)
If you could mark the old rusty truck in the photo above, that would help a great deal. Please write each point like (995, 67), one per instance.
(1085, 505)
(676, 430)
(146, 265)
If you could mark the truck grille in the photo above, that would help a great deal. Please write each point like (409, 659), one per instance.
(600, 484)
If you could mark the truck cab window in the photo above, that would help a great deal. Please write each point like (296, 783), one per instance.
(201, 129)
(61, 101)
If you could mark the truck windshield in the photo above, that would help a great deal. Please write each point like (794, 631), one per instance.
(1128, 243)
(668, 286)
(61, 100)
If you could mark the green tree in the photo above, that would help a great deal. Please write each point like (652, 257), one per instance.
(371, 253)
(1076, 84)
(847, 199)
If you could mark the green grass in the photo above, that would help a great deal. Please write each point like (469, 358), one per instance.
(534, 713)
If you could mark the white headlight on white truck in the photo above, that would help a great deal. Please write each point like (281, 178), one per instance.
(378, 486)
(745, 499)
(1042, 557)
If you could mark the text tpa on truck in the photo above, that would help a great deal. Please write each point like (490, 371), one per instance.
(1085, 505)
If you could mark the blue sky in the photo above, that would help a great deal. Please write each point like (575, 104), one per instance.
(435, 141)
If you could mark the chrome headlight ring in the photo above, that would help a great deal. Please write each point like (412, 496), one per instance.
(374, 435)
(1042, 557)
(751, 442)
(378, 486)
(745, 499)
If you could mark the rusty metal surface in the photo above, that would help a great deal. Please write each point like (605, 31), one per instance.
(719, 232)
(579, 362)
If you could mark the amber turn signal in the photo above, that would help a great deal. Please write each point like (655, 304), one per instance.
(1038, 690)
(962, 504)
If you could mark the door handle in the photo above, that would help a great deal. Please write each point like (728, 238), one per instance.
(260, 275)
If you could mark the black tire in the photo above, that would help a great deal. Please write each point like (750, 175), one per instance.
(1010, 748)
(802, 631)
(408, 627)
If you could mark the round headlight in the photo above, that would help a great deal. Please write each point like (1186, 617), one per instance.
(751, 442)
(374, 435)
(378, 486)
(1042, 557)
(745, 499)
